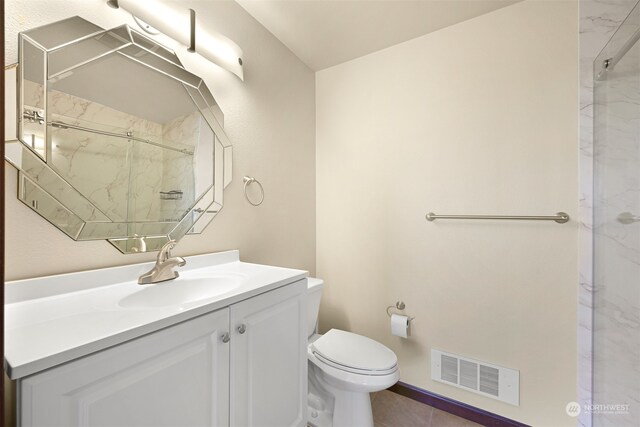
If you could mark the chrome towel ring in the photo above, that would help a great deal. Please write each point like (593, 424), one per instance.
(250, 180)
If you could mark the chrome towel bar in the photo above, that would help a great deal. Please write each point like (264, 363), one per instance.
(560, 217)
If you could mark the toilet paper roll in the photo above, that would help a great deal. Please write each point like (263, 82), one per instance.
(399, 325)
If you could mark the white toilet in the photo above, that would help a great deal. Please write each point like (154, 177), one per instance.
(343, 369)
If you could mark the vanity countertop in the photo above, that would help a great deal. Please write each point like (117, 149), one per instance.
(52, 320)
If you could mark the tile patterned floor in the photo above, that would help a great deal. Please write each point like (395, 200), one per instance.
(393, 410)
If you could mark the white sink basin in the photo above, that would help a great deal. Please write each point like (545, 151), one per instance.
(56, 319)
(181, 291)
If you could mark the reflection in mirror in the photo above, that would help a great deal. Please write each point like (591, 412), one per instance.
(117, 140)
(32, 125)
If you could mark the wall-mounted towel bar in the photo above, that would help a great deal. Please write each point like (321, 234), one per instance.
(560, 217)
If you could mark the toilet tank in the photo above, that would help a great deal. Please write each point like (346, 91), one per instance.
(314, 294)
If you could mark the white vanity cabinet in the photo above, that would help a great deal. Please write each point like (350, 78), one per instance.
(189, 374)
(269, 359)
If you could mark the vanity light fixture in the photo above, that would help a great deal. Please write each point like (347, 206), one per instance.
(183, 27)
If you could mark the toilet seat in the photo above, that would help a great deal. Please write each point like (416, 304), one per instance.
(354, 353)
(353, 370)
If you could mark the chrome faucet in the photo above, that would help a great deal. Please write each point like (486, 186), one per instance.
(163, 270)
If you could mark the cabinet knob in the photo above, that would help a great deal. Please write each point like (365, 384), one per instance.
(242, 328)
(225, 337)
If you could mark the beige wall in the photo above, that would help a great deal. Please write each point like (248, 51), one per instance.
(270, 119)
(480, 117)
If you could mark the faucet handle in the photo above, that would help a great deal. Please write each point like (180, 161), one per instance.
(165, 251)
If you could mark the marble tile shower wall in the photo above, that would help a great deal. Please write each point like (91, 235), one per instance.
(616, 338)
(120, 190)
(599, 19)
(179, 168)
(78, 155)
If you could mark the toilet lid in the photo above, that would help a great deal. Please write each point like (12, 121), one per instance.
(354, 351)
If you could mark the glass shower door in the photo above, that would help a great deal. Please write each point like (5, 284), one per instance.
(616, 311)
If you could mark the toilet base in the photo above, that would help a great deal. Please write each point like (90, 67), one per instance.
(318, 418)
(331, 406)
(352, 409)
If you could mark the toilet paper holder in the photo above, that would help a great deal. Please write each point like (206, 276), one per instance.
(399, 306)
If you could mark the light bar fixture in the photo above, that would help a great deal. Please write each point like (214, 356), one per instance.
(183, 26)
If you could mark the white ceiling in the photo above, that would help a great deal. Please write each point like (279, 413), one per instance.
(323, 33)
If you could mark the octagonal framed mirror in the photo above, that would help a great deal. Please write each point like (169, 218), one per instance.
(116, 139)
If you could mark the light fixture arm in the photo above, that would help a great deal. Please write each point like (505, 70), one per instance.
(192, 30)
(182, 26)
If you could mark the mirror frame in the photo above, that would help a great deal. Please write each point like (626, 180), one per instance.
(68, 209)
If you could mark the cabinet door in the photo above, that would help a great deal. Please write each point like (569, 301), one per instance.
(177, 376)
(269, 359)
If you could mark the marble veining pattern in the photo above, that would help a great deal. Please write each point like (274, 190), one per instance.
(48, 180)
(599, 19)
(179, 168)
(112, 163)
(616, 339)
(121, 178)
